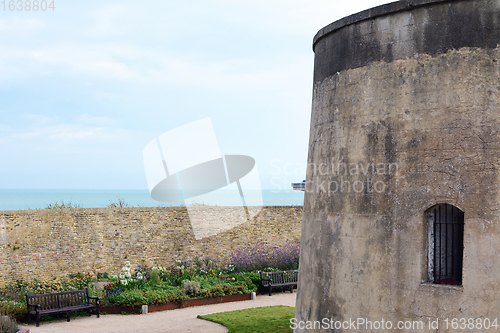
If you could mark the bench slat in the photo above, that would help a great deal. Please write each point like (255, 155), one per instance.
(71, 308)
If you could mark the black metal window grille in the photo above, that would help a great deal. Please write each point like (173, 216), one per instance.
(446, 244)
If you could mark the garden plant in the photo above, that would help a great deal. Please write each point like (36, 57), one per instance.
(138, 284)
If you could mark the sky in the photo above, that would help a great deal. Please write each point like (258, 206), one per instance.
(86, 86)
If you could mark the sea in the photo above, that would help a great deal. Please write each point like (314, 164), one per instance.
(22, 199)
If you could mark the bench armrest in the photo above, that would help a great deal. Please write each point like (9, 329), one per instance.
(265, 282)
(96, 298)
(36, 306)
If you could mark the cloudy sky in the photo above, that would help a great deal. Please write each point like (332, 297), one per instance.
(84, 87)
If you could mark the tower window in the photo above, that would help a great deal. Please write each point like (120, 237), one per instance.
(445, 244)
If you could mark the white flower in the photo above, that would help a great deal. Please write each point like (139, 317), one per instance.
(127, 275)
(124, 282)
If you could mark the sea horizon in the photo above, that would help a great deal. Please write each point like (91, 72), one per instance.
(27, 199)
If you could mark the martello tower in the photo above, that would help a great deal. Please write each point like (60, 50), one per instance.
(402, 204)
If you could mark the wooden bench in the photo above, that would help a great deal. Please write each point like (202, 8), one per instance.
(279, 279)
(60, 303)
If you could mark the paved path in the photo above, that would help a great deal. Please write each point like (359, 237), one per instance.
(178, 320)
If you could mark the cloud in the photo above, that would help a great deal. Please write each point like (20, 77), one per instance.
(64, 132)
(92, 55)
(86, 128)
(22, 135)
(89, 119)
(38, 119)
(116, 42)
(79, 61)
(21, 26)
(70, 132)
(103, 78)
(108, 20)
(146, 67)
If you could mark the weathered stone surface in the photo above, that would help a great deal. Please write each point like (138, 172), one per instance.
(425, 128)
(56, 242)
(403, 28)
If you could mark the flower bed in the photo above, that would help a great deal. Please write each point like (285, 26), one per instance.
(176, 305)
(185, 283)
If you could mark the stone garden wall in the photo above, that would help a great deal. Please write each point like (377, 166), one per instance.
(57, 242)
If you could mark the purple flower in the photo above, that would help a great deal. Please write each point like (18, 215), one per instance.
(260, 257)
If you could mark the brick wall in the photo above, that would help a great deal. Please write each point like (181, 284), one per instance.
(49, 243)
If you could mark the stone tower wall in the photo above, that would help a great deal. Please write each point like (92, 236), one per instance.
(405, 115)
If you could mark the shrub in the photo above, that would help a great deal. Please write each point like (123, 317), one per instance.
(155, 276)
(182, 270)
(264, 257)
(205, 267)
(109, 286)
(207, 282)
(13, 308)
(119, 203)
(77, 281)
(146, 296)
(162, 296)
(243, 278)
(62, 205)
(7, 324)
(223, 290)
(191, 288)
(17, 290)
(111, 295)
(11, 292)
(130, 298)
(160, 271)
(254, 277)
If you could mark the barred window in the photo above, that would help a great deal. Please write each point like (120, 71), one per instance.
(445, 244)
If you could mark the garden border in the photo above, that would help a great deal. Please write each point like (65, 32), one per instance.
(175, 305)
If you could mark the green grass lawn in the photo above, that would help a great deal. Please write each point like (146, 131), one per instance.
(267, 319)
